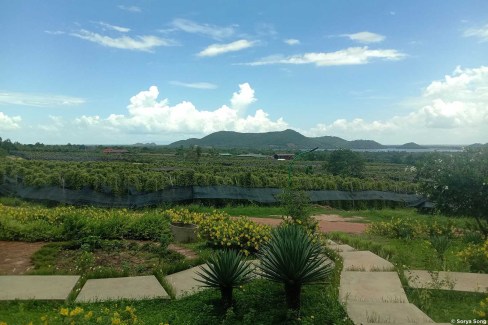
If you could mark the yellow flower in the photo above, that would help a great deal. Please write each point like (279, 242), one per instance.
(116, 321)
(3, 323)
(89, 315)
(64, 311)
(76, 311)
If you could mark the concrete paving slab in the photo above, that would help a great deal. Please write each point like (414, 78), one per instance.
(374, 312)
(136, 288)
(184, 282)
(365, 261)
(371, 287)
(37, 287)
(458, 281)
(342, 248)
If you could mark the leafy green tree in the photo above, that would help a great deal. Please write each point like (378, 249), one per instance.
(345, 162)
(293, 258)
(458, 184)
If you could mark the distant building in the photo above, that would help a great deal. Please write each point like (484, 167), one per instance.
(253, 155)
(283, 156)
(114, 151)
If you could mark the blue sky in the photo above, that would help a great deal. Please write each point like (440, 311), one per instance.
(120, 72)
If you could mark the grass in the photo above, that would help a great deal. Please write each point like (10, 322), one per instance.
(118, 258)
(260, 302)
(444, 305)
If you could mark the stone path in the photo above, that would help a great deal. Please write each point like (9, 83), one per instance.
(371, 294)
(136, 288)
(458, 281)
(38, 287)
(184, 283)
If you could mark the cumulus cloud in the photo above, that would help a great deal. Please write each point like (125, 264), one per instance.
(144, 43)
(39, 100)
(349, 56)
(480, 33)
(365, 37)
(8, 123)
(291, 41)
(147, 114)
(213, 31)
(453, 109)
(218, 49)
(195, 85)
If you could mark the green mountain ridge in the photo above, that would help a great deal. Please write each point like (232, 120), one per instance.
(287, 139)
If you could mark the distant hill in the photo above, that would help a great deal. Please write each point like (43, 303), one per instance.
(287, 139)
(411, 145)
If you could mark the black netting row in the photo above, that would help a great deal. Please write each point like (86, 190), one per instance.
(189, 193)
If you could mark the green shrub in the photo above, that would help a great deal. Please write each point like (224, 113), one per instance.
(293, 258)
(225, 270)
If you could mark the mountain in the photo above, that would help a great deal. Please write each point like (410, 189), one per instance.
(411, 145)
(287, 139)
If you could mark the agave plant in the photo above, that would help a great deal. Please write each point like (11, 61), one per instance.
(293, 258)
(225, 270)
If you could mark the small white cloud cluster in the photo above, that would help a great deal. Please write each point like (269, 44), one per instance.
(481, 33)
(8, 123)
(365, 37)
(349, 56)
(148, 115)
(218, 49)
(457, 104)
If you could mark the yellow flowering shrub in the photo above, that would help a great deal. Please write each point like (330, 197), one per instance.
(476, 256)
(222, 231)
(119, 315)
(184, 216)
(482, 310)
(405, 228)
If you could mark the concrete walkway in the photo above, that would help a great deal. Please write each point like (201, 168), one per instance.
(458, 281)
(36, 287)
(373, 295)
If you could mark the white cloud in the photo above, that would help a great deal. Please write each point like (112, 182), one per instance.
(38, 100)
(215, 32)
(365, 37)
(149, 115)
(349, 56)
(291, 41)
(114, 27)
(141, 43)
(481, 33)
(8, 123)
(56, 124)
(134, 9)
(451, 110)
(243, 98)
(195, 85)
(54, 32)
(218, 49)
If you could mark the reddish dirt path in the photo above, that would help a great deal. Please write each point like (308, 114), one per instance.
(15, 257)
(327, 223)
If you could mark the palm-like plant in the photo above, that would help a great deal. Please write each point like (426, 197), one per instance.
(293, 258)
(225, 270)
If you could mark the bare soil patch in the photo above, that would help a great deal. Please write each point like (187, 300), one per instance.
(15, 257)
(327, 223)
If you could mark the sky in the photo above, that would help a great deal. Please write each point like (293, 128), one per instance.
(123, 72)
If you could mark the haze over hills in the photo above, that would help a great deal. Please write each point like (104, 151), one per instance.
(287, 139)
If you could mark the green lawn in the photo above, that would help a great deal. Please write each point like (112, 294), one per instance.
(260, 302)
